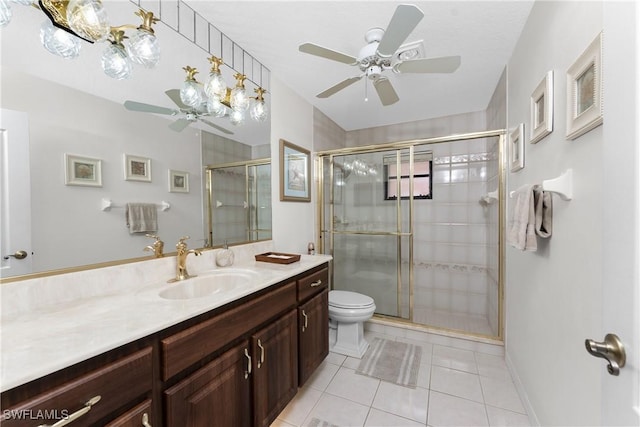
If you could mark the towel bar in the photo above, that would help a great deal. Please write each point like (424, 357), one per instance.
(562, 186)
(107, 204)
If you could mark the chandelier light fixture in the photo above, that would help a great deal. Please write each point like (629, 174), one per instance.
(70, 21)
(219, 100)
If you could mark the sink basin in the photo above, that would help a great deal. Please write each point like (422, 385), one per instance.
(211, 283)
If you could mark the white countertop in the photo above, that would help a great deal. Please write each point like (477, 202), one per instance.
(38, 342)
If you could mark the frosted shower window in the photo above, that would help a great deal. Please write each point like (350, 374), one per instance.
(421, 176)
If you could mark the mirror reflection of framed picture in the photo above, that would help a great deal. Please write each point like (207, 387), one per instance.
(584, 91)
(137, 168)
(178, 181)
(83, 171)
(295, 173)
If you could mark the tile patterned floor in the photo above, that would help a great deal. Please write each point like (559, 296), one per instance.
(455, 388)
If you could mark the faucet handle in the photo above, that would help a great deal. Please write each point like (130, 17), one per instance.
(153, 236)
(182, 239)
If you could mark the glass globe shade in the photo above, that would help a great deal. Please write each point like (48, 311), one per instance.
(88, 19)
(239, 99)
(5, 13)
(143, 49)
(236, 118)
(116, 63)
(59, 42)
(215, 107)
(258, 110)
(190, 94)
(215, 86)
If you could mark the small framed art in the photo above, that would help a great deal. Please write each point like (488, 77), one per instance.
(584, 91)
(516, 148)
(137, 168)
(295, 173)
(178, 181)
(83, 171)
(542, 109)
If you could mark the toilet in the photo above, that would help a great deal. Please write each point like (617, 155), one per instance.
(347, 313)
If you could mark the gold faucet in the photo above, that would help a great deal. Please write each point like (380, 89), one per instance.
(181, 260)
(157, 247)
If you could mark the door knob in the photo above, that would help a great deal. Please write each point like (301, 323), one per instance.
(17, 255)
(611, 349)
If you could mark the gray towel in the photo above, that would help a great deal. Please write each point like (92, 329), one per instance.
(522, 228)
(544, 212)
(142, 217)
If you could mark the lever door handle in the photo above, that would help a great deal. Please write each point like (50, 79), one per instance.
(611, 349)
(17, 255)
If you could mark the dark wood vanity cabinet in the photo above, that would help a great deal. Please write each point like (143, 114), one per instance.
(238, 365)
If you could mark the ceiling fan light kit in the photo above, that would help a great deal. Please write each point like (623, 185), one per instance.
(70, 21)
(385, 51)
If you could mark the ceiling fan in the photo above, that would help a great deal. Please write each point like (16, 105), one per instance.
(190, 114)
(380, 54)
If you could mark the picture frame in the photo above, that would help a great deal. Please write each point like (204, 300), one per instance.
(178, 181)
(584, 91)
(516, 148)
(295, 173)
(137, 168)
(82, 171)
(541, 109)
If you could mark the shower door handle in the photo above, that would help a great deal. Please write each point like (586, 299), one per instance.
(611, 349)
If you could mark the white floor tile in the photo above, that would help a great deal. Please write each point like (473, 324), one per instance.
(456, 383)
(300, 406)
(280, 423)
(359, 388)
(351, 363)
(322, 376)
(445, 410)
(492, 367)
(501, 394)
(449, 357)
(424, 376)
(378, 418)
(338, 411)
(503, 418)
(402, 401)
(335, 358)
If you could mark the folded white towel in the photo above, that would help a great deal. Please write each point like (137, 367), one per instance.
(142, 217)
(522, 227)
(544, 212)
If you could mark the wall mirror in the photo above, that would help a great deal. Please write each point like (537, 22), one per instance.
(71, 109)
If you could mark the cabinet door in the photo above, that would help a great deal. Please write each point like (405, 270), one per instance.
(313, 320)
(140, 416)
(217, 395)
(275, 354)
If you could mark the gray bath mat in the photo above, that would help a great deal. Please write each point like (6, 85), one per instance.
(315, 422)
(392, 361)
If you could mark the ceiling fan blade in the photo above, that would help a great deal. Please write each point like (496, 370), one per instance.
(174, 94)
(337, 88)
(215, 126)
(179, 125)
(403, 21)
(386, 92)
(445, 64)
(314, 49)
(148, 108)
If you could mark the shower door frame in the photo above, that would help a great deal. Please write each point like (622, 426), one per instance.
(210, 202)
(411, 145)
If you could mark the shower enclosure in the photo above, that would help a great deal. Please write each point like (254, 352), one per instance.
(239, 201)
(416, 226)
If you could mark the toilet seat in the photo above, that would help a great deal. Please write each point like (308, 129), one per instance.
(350, 300)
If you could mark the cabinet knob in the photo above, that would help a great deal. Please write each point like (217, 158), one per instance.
(248, 371)
(261, 361)
(145, 420)
(80, 412)
(316, 283)
(306, 321)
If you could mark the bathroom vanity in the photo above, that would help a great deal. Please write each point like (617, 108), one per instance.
(232, 359)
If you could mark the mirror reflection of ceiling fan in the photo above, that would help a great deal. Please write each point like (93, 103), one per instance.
(189, 114)
(384, 52)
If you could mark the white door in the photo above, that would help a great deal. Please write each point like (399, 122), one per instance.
(621, 204)
(15, 194)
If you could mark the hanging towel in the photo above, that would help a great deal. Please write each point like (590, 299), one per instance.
(522, 228)
(544, 211)
(142, 217)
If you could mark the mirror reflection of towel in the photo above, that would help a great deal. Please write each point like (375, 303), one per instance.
(142, 217)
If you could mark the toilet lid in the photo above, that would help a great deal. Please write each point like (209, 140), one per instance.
(346, 299)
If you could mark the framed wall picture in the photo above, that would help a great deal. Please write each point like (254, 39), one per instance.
(584, 91)
(137, 168)
(178, 181)
(295, 173)
(516, 148)
(83, 171)
(541, 107)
